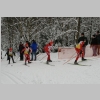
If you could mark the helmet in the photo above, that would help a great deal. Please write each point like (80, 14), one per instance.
(51, 43)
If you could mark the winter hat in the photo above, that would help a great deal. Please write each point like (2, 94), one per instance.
(93, 35)
(51, 42)
(10, 49)
(82, 33)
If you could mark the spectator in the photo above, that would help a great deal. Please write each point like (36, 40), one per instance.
(98, 42)
(93, 44)
(21, 47)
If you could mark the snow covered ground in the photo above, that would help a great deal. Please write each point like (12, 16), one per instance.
(40, 73)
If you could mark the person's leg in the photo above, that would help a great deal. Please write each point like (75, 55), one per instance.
(84, 49)
(99, 49)
(93, 50)
(34, 53)
(12, 59)
(77, 57)
(28, 58)
(9, 59)
(21, 56)
(32, 56)
(48, 58)
(25, 58)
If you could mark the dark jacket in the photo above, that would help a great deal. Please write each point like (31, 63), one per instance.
(21, 47)
(83, 39)
(93, 41)
(98, 39)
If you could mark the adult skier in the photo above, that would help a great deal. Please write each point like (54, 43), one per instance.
(82, 38)
(27, 50)
(79, 51)
(47, 49)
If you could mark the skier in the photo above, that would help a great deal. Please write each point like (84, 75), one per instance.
(21, 47)
(27, 42)
(10, 54)
(27, 50)
(82, 38)
(47, 49)
(79, 51)
(34, 47)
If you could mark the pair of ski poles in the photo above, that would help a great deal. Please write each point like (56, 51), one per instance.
(73, 56)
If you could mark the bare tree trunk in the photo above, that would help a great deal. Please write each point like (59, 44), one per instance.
(78, 28)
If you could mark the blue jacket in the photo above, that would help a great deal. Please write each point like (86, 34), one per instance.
(34, 47)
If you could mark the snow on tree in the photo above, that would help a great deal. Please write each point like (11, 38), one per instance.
(62, 30)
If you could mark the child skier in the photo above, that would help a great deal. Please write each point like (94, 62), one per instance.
(79, 51)
(10, 54)
(47, 49)
(27, 52)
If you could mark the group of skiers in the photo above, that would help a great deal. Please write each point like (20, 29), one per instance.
(83, 42)
(28, 49)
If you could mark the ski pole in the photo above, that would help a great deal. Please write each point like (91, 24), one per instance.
(3, 58)
(43, 57)
(70, 58)
(39, 54)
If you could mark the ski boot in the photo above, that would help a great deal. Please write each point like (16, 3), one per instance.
(50, 60)
(29, 62)
(47, 62)
(25, 63)
(83, 59)
(75, 62)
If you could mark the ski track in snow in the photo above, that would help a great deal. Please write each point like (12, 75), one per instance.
(13, 78)
(41, 73)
